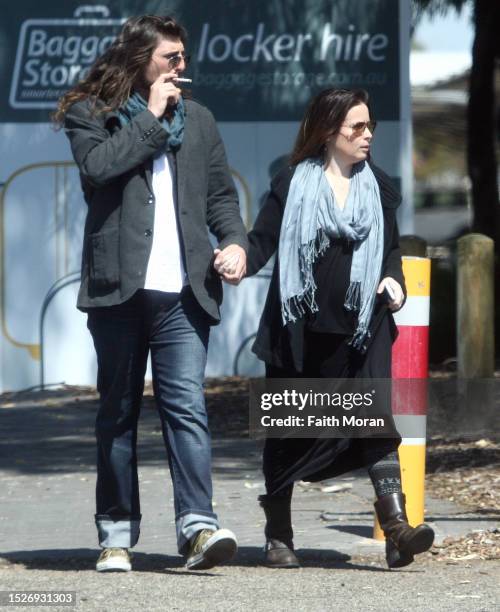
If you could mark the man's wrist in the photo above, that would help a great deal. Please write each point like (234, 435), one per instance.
(230, 242)
(155, 112)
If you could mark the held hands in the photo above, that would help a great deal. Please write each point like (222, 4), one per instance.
(231, 263)
(394, 290)
(162, 93)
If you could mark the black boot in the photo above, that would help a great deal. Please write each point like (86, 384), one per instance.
(402, 540)
(278, 531)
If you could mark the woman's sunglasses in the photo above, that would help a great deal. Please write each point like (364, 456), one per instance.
(358, 129)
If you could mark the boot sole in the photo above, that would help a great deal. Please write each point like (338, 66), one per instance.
(218, 549)
(283, 566)
(113, 567)
(396, 559)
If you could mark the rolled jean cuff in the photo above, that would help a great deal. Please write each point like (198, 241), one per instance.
(187, 525)
(119, 533)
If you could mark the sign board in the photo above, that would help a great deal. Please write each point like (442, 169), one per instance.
(255, 65)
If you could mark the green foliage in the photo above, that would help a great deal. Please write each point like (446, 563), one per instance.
(439, 141)
(432, 8)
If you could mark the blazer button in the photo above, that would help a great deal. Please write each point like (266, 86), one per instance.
(148, 232)
(150, 200)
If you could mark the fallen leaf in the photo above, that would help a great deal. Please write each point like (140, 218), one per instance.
(336, 488)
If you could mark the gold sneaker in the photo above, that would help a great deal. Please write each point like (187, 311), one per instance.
(114, 560)
(209, 548)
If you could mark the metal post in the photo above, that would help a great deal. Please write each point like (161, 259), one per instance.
(61, 283)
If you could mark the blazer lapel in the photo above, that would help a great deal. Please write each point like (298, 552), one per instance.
(182, 157)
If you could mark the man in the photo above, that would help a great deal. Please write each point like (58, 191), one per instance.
(154, 175)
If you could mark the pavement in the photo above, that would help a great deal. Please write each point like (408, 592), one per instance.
(48, 540)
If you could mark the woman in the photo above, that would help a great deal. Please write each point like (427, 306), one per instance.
(332, 216)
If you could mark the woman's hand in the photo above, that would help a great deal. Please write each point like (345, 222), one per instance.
(394, 290)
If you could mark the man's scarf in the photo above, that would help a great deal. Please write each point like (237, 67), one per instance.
(175, 128)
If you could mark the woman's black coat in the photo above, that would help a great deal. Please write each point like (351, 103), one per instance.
(283, 346)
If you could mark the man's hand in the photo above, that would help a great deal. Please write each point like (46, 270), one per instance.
(394, 290)
(162, 93)
(231, 263)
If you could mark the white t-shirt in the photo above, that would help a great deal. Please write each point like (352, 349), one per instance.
(165, 270)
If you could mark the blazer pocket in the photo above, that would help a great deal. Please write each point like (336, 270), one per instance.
(104, 260)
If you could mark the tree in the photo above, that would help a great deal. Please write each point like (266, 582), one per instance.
(481, 111)
(481, 120)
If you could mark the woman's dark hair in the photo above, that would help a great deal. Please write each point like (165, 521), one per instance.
(324, 116)
(113, 74)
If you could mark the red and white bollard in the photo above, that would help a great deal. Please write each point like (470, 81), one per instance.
(410, 368)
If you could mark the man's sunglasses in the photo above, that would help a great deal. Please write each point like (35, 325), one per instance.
(358, 129)
(174, 59)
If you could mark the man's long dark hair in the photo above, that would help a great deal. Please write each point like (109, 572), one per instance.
(113, 75)
(323, 118)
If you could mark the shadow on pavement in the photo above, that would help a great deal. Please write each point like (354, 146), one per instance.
(363, 531)
(83, 559)
(48, 435)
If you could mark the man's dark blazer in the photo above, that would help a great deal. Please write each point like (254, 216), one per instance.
(115, 166)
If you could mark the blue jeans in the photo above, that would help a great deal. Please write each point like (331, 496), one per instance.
(175, 329)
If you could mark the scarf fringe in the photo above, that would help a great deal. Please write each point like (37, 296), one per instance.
(353, 296)
(357, 341)
(295, 307)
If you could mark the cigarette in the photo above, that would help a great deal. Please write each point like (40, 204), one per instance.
(182, 80)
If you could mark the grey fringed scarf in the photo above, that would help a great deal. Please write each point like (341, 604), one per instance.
(310, 220)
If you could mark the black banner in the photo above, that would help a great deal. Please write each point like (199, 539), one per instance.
(251, 61)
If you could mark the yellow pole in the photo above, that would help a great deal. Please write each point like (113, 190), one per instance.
(410, 361)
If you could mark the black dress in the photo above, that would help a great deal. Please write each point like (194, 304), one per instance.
(316, 346)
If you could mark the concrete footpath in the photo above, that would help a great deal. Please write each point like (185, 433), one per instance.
(48, 540)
